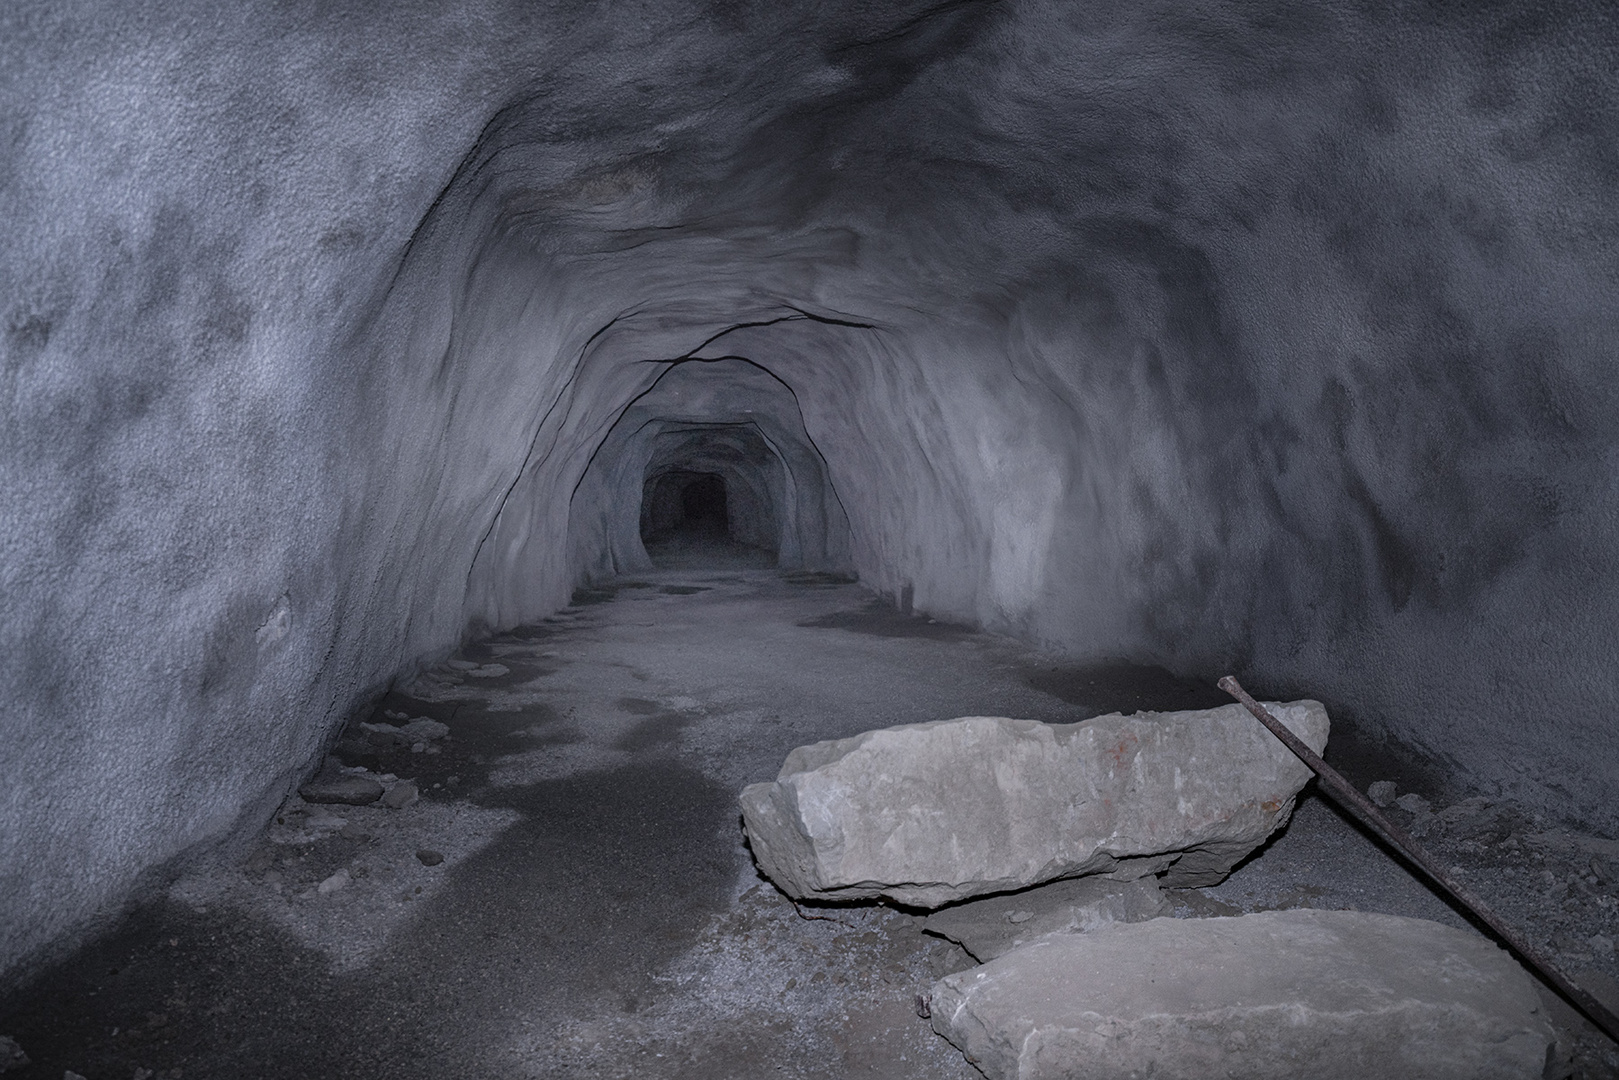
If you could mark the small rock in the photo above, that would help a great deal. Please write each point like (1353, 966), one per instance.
(418, 748)
(319, 819)
(352, 831)
(429, 857)
(336, 883)
(386, 736)
(1467, 808)
(1412, 803)
(490, 671)
(994, 925)
(1602, 946)
(1330, 995)
(423, 729)
(1604, 869)
(1423, 824)
(347, 790)
(462, 665)
(401, 795)
(1493, 825)
(143, 1074)
(69, 1074)
(1381, 792)
(11, 1055)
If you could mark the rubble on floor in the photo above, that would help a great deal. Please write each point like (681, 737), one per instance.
(1324, 994)
(928, 814)
(991, 926)
(11, 1055)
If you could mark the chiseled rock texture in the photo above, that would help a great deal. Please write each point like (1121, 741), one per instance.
(1329, 995)
(995, 925)
(927, 814)
(1246, 333)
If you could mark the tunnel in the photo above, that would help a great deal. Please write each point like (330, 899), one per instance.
(342, 342)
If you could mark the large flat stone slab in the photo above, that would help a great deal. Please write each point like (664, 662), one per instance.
(1330, 995)
(995, 925)
(928, 814)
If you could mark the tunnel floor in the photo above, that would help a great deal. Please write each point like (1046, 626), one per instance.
(591, 910)
(705, 546)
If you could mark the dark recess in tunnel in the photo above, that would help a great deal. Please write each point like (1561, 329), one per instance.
(681, 501)
(710, 498)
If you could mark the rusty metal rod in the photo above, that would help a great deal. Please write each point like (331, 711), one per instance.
(1346, 795)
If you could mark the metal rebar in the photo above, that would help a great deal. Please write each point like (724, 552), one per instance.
(1346, 795)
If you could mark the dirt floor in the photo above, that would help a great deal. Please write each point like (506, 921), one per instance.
(570, 894)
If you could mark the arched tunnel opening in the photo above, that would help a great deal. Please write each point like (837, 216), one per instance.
(691, 517)
(452, 454)
(684, 500)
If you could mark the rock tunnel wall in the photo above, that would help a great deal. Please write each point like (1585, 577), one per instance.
(729, 417)
(1261, 336)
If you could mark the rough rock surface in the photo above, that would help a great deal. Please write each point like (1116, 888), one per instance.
(1246, 331)
(1330, 995)
(996, 925)
(927, 814)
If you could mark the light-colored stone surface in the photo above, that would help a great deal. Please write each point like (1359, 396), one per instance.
(927, 814)
(996, 925)
(347, 790)
(1283, 994)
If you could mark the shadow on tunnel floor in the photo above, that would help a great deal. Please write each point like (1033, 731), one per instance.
(880, 618)
(696, 549)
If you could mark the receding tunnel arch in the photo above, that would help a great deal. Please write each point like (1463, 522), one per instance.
(710, 488)
(729, 418)
(680, 499)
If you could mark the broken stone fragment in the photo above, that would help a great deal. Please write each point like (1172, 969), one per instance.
(1412, 803)
(1381, 792)
(336, 883)
(386, 736)
(401, 795)
(490, 671)
(422, 729)
(928, 814)
(1330, 995)
(11, 1055)
(992, 926)
(348, 790)
(1463, 810)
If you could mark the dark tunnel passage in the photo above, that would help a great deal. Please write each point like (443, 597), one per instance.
(687, 521)
(679, 499)
(642, 397)
(710, 497)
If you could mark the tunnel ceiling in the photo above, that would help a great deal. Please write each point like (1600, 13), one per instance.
(1230, 335)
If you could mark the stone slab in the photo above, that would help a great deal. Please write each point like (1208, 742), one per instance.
(342, 790)
(992, 926)
(929, 814)
(1330, 995)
